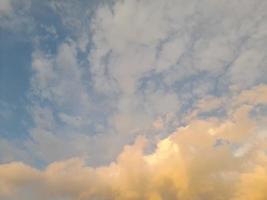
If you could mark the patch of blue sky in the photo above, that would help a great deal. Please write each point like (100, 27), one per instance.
(259, 111)
(49, 28)
(152, 79)
(15, 62)
(15, 66)
(195, 85)
(219, 113)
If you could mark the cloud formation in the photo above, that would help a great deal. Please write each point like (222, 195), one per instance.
(103, 73)
(139, 99)
(206, 159)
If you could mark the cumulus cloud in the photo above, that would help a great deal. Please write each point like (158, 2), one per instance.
(253, 184)
(187, 76)
(197, 161)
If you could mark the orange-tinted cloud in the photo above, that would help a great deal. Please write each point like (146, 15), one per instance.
(214, 158)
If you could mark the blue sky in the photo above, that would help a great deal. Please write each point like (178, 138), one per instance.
(95, 80)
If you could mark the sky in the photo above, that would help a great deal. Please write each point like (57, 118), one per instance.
(133, 100)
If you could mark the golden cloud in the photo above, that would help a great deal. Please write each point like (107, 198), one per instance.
(219, 159)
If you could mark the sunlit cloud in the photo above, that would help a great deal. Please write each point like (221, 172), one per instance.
(133, 100)
(190, 163)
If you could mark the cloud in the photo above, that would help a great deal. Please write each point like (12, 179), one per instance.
(15, 17)
(252, 184)
(5, 7)
(195, 36)
(55, 76)
(187, 164)
(186, 76)
(123, 66)
(58, 80)
(187, 49)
